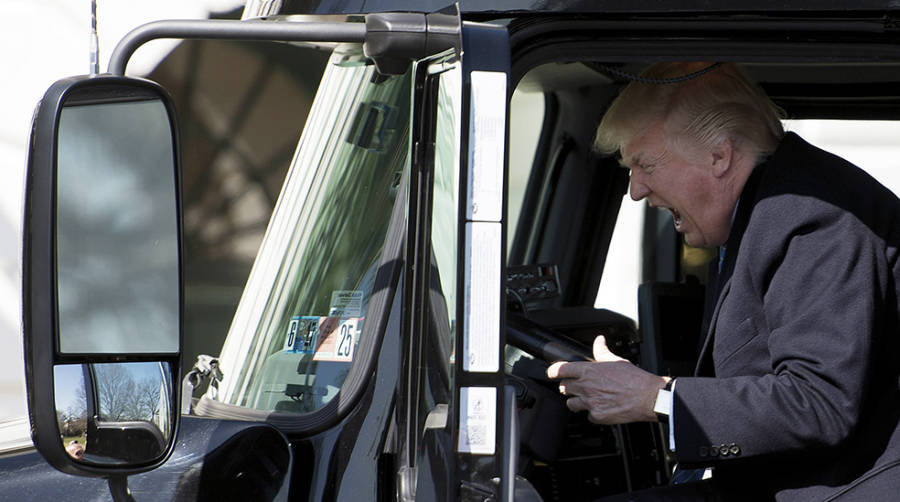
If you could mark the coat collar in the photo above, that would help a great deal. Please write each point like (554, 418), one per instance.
(746, 203)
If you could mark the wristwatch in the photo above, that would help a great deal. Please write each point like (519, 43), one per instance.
(664, 402)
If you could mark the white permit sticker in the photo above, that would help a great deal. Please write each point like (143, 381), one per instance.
(487, 147)
(477, 420)
(481, 336)
(337, 339)
(346, 303)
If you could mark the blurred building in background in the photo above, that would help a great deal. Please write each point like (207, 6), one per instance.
(241, 109)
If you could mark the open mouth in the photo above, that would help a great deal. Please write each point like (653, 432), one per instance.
(676, 217)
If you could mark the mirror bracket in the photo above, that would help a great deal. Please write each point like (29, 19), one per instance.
(220, 29)
(391, 39)
(118, 488)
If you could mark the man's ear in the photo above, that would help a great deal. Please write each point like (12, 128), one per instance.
(722, 156)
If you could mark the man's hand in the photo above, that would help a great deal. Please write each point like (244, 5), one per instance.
(613, 390)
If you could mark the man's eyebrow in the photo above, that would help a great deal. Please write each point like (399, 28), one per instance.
(641, 159)
(635, 160)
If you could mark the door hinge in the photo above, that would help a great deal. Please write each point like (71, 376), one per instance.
(394, 39)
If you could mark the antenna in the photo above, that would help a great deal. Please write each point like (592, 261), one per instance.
(95, 45)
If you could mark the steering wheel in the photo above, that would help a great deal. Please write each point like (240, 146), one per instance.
(541, 342)
(541, 407)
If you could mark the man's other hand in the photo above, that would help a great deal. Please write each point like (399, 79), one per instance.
(612, 390)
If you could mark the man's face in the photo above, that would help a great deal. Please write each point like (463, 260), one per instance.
(685, 184)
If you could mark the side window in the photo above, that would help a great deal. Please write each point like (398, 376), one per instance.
(870, 144)
(622, 268)
(526, 114)
(439, 333)
(432, 355)
(445, 202)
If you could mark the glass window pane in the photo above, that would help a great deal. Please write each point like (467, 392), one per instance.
(438, 341)
(444, 226)
(526, 114)
(298, 324)
(622, 269)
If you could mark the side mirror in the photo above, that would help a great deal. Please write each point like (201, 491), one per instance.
(102, 284)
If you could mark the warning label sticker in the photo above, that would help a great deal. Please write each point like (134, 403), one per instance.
(477, 420)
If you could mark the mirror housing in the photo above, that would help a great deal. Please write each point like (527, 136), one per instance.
(102, 273)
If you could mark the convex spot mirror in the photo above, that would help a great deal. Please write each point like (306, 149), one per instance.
(113, 413)
(102, 290)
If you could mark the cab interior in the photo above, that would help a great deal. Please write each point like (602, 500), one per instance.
(583, 259)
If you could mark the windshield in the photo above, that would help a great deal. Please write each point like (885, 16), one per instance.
(296, 329)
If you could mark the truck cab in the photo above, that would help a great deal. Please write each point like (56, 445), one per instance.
(444, 232)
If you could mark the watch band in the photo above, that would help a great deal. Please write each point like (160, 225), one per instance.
(663, 403)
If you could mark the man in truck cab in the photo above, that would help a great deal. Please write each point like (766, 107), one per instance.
(796, 393)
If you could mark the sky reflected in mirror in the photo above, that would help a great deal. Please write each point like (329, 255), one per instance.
(117, 229)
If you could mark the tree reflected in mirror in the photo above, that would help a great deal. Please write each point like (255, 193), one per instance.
(114, 413)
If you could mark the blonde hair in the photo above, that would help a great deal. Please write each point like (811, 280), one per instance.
(698, 112)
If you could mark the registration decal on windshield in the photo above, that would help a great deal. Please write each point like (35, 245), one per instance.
(337, 338)
(301, 335)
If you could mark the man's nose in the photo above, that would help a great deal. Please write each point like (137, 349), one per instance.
(636, 188)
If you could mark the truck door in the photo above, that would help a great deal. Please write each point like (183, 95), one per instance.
(456, 445)
(452, 444)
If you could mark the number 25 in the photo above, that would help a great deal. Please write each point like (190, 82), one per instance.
(346, 342)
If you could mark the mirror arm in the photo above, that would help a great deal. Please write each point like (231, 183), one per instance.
(118, 488)
(217, 29)
(391, 39)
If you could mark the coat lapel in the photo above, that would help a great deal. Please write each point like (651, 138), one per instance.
(704, 362)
